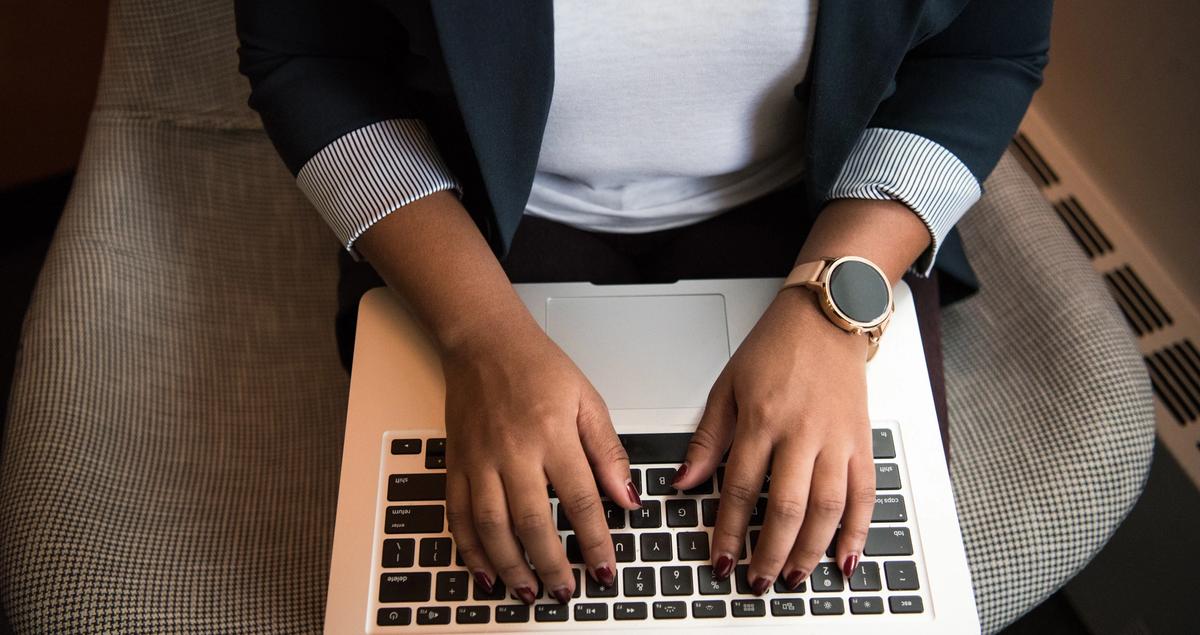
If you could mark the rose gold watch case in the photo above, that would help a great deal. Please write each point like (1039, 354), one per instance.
(816, 274)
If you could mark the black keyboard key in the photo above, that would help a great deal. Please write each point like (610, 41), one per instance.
(708, 608)
(888, 541)
(433, 615)
(629, 611)
(574, 553)
(451, 586)
(435, 461)
(827, 606)
(658, 481)
(656, 547)
(703, 487)
(474, 614)
(614, 515)
(865, 578)
(551, 612)
(887, 476)
(681, 512)
(669, 447)
(648, 517)
(675, 580)
(597, 590)
(624, 547)
(708, 511)
(782, 587)
(882, 443)
(901, 576)
(739, 579)
(639, 581)
(759, 513)
(417, 487)
(578, 585)
(563, 523)
(709, 585)
(754, 534)
(591, 612)
(405, 587)
(693, 545)
(512, 614)
(826, 578)
(787, 607)
(398, 616)
(480, 594)
(748, 608)
(635, 475)
(889, 508)
(406, 446)
(435, 552)
(414, 519)
(670, 610)
(906, 604)
(436, 447)
(870, 605)
(399, 552)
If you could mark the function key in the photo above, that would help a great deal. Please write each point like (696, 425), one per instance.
(658, 481)
(512, 613)
(905, 604)
(826, 578)
(406, 446)
(417, 487)
(889, 508)
(883, 444)
(433, 615)
(629, 610)
(827, 606)
(901, 576)
(398, 552)
(550, 613)
(591, 612)
(865, 578)
(404, 587)
(866, 605)
(888, 541)
(708, 608)
(748, 608)
(787, 607)
(399, 616)
(475, 614)
(414, 519)
(670, 610)
(887, 476)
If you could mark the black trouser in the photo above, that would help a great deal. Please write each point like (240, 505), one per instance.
(759, 239)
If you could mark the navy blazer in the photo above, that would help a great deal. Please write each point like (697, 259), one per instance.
(480, 74)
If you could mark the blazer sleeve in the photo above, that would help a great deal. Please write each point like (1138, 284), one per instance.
(959, 97)
(331, 100)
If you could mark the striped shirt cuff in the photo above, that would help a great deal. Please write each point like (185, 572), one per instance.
(368, 173)
(900, 166)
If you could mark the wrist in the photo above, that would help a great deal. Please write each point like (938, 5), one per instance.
(806, 320)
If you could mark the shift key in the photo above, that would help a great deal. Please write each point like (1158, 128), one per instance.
(417, 487)
(414, 519)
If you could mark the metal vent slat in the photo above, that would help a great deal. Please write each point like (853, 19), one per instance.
(1085, 230)
(1032, 161)
(1077, 232)
(1143, 292)
(1175, 375)
(1141, 309)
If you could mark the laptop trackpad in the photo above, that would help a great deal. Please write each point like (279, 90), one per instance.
(644, 351)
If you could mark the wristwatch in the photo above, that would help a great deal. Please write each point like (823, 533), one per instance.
(853, 293)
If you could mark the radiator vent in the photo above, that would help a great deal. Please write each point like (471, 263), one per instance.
(1142, 310)
(1175, 373)
(1032, 161)
(1085, 230)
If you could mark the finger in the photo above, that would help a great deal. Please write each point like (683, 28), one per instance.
(791, 474)
(462, 527)
(739, 494)
(604, 451)
(490, 513)
(826, 501)
(529, 507)
(860, 505)
(711, 438)
(578, 498)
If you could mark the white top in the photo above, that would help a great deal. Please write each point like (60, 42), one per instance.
(665, 114)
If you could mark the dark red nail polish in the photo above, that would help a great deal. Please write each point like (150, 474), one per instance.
(723, 568)
(760, 585)
(679, 474)
(604, 575)
(795, 579)
(526, 594)
(633, 495)
(482, 579)
(849, 564)
(561, 594)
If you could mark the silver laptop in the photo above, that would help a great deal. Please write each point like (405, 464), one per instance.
(653, 352)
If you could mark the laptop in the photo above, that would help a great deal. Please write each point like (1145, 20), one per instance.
(652, 351)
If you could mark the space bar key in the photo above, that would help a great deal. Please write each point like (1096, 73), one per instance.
(666, 447)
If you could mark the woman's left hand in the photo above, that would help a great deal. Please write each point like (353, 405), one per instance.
(793, 398)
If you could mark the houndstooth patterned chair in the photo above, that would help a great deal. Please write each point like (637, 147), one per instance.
(173, 441)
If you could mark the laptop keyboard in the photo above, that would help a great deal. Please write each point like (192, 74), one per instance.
(662, 551)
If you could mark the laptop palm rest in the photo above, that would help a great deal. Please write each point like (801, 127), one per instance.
(644, 352)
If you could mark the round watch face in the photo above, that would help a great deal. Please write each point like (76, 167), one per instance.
(858, 291)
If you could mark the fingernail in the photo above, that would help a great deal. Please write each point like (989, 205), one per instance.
(849, 563)
(724, 567)
(604, 575)
(526, 594)
(795, 579)
(632, 491)
(760, 585)
(561, 594)
(680, 473)
(482, 579)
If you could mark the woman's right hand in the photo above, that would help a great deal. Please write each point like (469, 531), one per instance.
(520, 415)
